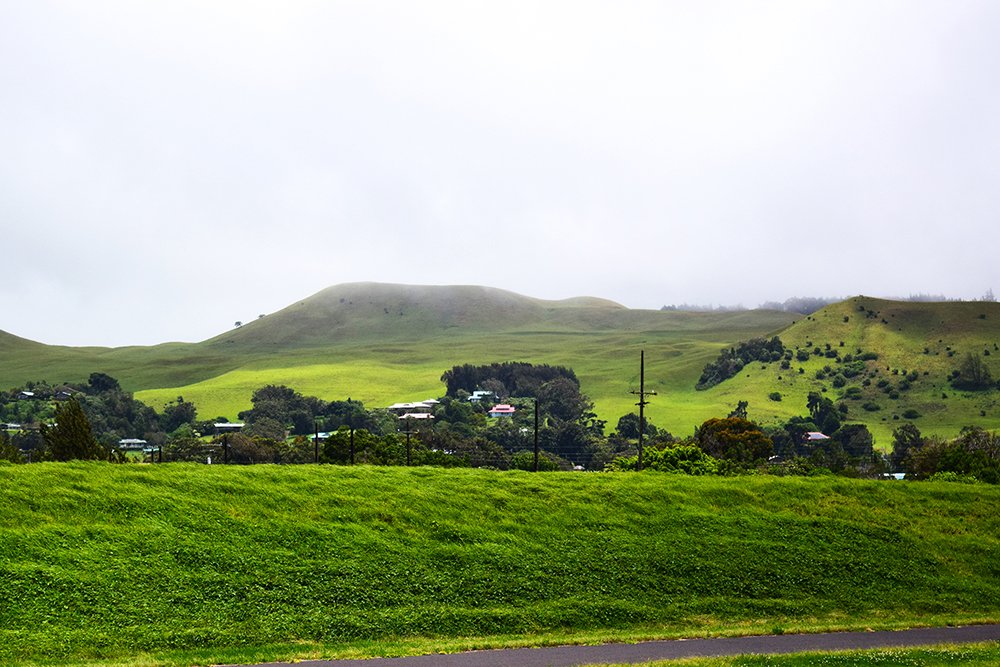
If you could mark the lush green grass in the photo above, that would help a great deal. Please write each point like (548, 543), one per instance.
(104, 561)
(971, 655)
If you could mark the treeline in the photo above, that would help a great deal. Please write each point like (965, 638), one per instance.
(807, 305)
(732, 360)
(112, 413)
(509, 378)
(283, 427)
(802, 305)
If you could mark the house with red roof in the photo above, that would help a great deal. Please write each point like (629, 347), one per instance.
(502, 410)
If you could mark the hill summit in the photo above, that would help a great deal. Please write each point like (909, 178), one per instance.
(393, 312)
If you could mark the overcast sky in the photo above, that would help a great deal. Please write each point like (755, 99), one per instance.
(168, 168)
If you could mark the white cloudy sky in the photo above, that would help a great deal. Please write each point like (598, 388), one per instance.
(169, 167)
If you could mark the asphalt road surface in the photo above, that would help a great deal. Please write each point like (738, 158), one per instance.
(577, 656)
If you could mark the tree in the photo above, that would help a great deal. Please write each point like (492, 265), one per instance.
(525, 460)
(71, 437)
(676, 458)
(561, 399)
(8, 452)
(905, 439)
(824, 412)
(740, 410)
(734, 439)
(856, 440)
(99, 383)
(973, 374)
(628, 426)
(285, 406)
(177, 413)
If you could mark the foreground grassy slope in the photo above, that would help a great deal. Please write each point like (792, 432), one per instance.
(103, 561)
(967, 655)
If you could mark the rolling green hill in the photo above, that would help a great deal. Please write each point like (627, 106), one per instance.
(386, 343)
(255, 563)
(929, 340)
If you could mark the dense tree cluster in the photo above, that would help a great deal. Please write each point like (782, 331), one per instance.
(85, 421)
(112, 414)
(510, 378)
(973, 455)
(732, 360)
(973, 374)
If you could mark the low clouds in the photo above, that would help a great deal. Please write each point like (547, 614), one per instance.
(196, 164)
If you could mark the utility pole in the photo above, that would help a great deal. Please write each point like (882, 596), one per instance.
(642, 394)
(536, 436)
(409, 430)
(352, 445)
(315, 442)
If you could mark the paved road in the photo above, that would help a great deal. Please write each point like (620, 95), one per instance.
(576, 656)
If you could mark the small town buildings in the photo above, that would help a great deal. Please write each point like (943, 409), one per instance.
(479, 395)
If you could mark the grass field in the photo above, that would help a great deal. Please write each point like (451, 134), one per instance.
(973, 655)
(386, 343)
(108, 562)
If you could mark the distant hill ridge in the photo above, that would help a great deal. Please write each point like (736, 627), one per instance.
(383, 343)
(392, 311)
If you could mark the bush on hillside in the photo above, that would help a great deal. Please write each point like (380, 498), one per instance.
(732, 360)
(680, 458)
(972, 375)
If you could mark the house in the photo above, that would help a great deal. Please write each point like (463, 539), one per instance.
(418, 407)
(815, 436)
(131, 443)
(502, 410)
(416, 415)
(479, 395)
(229, 427)
(24, 395)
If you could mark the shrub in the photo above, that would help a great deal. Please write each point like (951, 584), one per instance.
(871, 406)
(732, 360)
(775, 396)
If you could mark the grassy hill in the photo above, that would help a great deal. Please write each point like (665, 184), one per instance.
(386, 343)
(227, 564)
(928, 339)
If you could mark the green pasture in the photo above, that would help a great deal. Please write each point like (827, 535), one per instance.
(970, 655)
(383, 343)
(140, 564)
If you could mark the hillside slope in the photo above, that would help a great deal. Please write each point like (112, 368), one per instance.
(385, 343)
(917, 346)
(386, 312)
